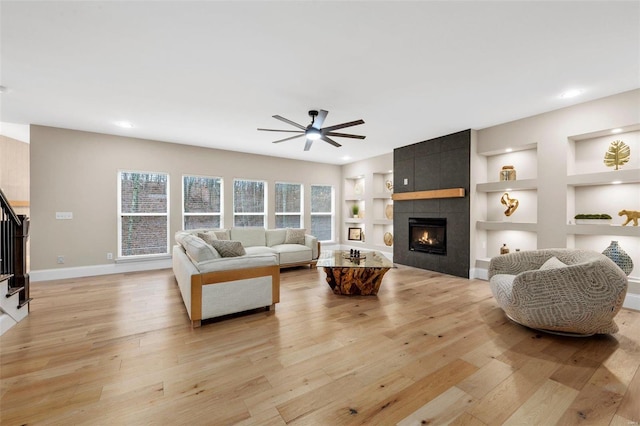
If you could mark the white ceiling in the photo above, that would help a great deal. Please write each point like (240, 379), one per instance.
(209, 73)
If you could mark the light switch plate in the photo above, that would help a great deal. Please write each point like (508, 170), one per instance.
(64, 215)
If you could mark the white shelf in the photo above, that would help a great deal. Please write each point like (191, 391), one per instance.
(512, 185)
(620, 231)
(354, 220)
(382, 195)
(507, 226)
(383, 221)
(604, 178)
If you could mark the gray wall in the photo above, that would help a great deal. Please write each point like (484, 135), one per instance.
(439, 163)
(75, 171)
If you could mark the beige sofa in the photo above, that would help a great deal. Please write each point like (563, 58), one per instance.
(245, 276)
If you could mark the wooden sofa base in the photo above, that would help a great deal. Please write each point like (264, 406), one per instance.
(213, 278)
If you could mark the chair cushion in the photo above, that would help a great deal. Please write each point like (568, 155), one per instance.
(552, 263)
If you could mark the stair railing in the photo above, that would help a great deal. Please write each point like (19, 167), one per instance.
(14, 232)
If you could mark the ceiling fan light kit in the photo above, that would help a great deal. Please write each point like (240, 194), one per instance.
(314, 131)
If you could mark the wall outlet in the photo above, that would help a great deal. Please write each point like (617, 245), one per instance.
(109, 256)
(61, 259)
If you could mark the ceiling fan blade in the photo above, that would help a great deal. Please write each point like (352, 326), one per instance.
(289, 138)
(332, 142)
(307, 146)
(317, 123)
(342, 126)
(276, 130)
(293, 123)
(345, 135)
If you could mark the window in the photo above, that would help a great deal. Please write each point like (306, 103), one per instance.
(249, 202)
(322, 212)
(201, 202)
(143, 204)
(288, 205)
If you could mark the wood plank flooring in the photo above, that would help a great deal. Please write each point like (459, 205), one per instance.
(429, 349)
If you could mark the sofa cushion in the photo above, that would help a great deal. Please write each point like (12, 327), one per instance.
(275, 236)
(249, 236)
(228, 248)
(292, 253)
(259, 250)
(552, 263)
(197, 250)
(208, 236)
(294, 236)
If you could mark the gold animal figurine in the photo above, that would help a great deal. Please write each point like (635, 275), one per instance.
(632, 215)
(510, 203)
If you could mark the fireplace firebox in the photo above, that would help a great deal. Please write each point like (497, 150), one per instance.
(428, 235)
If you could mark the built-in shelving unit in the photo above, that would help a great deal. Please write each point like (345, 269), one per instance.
(493, 228)
(373, 194)
(592, 187)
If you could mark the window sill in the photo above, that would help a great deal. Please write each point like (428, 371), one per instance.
(145, 258)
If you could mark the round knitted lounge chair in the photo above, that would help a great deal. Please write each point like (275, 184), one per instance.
(562, 291)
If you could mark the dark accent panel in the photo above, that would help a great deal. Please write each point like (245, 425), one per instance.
(403, 169)
(439, 163)
(454, 166)
(404, 153)
(427, 172)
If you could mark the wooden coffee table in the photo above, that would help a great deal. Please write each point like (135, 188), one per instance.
(354, 276)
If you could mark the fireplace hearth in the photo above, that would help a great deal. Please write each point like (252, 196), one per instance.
(428, 235)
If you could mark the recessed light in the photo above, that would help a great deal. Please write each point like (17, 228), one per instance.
(570, 94)
(508, 189)
(124, 124)
(616, 182)
(390, 171)
(618, 130)
(508, 150)
(345, 158)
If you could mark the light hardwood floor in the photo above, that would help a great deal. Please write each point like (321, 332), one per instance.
(429, 349)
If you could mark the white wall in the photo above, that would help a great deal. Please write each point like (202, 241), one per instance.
(74, 171)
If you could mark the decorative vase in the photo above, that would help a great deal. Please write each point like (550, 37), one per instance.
(619, 257)
(504, 249)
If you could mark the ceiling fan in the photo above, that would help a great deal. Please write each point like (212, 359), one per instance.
(314, 131)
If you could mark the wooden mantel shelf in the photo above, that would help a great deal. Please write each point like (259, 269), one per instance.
(425, 195)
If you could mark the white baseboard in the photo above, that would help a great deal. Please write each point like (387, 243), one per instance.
(632, 301)
(93, 270)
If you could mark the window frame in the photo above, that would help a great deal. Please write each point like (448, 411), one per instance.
(265, 202)
(167, 214)
(331, 214)
(300, 213)
(219, 214)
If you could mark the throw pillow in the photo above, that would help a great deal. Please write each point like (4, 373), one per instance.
(197, 249)
(208, 236)
(294, 236)
(222, 235)
(228, 248)
(552, 263)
